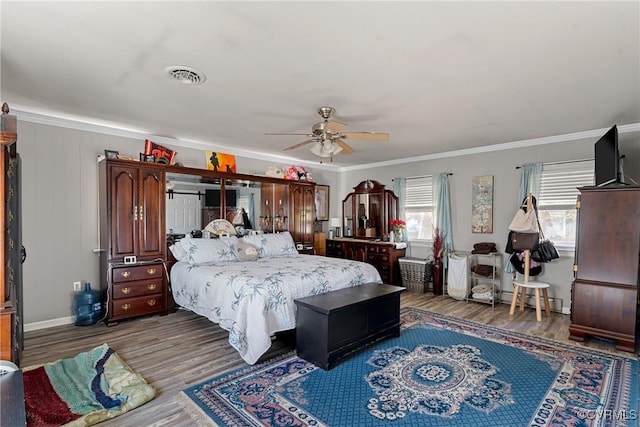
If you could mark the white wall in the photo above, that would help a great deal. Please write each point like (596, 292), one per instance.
(60, 214)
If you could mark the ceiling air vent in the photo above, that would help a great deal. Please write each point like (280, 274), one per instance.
(185, 75)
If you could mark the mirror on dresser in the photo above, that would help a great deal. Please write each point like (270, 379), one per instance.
(366, 213)
(367, 210)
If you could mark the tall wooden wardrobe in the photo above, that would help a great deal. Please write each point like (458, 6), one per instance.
(132, 229)
(11, 252)
(604, 294)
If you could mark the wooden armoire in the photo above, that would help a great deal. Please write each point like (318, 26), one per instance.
(11, 253)
(132, 230)
(604, 294)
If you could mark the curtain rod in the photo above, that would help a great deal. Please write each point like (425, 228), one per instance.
(561, 162)
(423, 176)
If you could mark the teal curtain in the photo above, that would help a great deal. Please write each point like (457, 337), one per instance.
(399, 189)
(443, 212)
(530, 181)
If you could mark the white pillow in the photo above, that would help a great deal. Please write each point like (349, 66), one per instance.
(272, 245)
(200, 251)
(178, 251)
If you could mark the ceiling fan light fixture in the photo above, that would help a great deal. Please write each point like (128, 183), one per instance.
(318, 150)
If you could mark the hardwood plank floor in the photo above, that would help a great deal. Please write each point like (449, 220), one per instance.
(182, 349)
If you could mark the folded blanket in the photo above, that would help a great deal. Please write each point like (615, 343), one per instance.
(92, 387)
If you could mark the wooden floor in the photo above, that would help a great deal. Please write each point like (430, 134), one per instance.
(182, 349)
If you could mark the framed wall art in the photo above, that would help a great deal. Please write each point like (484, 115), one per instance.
(322, 202)
(482, 204)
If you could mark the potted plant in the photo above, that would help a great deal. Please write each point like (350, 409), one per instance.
(397, 227)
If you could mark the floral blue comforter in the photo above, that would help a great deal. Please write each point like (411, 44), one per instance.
(254, 299)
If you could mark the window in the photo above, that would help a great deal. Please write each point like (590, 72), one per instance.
(419, 208)
(557, 201)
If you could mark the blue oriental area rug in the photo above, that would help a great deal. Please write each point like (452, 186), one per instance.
(441, 371)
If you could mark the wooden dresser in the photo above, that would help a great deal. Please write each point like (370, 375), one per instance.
(382, 255)
(11, 326)
(604, 294)
(132, 197)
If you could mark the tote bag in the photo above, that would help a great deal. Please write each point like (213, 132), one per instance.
(524, 222)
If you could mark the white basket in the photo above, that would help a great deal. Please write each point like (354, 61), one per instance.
(416, 273)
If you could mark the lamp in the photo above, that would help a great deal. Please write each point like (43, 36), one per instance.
(335, 223)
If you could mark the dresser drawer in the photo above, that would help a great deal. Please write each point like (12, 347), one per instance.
(136, 306)
(137, 288)
(378, 259)
(136, 272)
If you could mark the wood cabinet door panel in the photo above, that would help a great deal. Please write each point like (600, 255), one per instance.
(608, 244)
(124, 196)
(151, 210)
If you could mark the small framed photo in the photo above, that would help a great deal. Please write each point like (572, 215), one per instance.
(111, 154)
(147, 158)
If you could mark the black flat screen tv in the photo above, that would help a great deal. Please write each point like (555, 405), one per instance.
(212, 198)
(607, 158)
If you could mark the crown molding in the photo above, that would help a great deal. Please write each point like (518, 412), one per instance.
(595, 133)
(138, 134)
(115, 130)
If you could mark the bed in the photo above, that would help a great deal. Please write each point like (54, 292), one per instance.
(248, 285)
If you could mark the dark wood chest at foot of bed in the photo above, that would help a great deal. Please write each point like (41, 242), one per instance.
(332, 325)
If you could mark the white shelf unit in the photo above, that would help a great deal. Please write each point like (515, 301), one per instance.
(493, 280)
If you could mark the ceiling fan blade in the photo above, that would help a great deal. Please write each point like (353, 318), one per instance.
(346, 149)
(298, 145)
(372, 136)
(281, 133)
(334, 126)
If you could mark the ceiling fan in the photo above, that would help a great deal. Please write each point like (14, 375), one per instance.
(328, 137)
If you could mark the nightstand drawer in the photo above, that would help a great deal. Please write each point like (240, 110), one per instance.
(136, 272)
(136, 306)
(138, 288)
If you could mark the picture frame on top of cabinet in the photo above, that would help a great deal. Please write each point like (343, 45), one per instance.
(322, 202)
(111, 154)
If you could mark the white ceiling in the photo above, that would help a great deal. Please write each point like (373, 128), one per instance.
(438, 76)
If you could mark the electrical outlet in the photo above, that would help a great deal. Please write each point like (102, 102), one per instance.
(77, 286)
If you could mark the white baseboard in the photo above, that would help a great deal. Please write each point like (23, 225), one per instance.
(34, 326)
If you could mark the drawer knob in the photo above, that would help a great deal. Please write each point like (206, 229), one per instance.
(126, 274)
(126, 290)
(152, 287)
(126, 307)
(151, 302)
(151, 271)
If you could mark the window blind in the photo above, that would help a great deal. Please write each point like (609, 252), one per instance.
(559, 183)
(419, 192)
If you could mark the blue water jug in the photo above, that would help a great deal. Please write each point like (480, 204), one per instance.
(87, 306)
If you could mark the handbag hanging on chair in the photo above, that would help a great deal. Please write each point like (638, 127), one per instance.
(524, 241)
(525, 222)
(546, 251)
